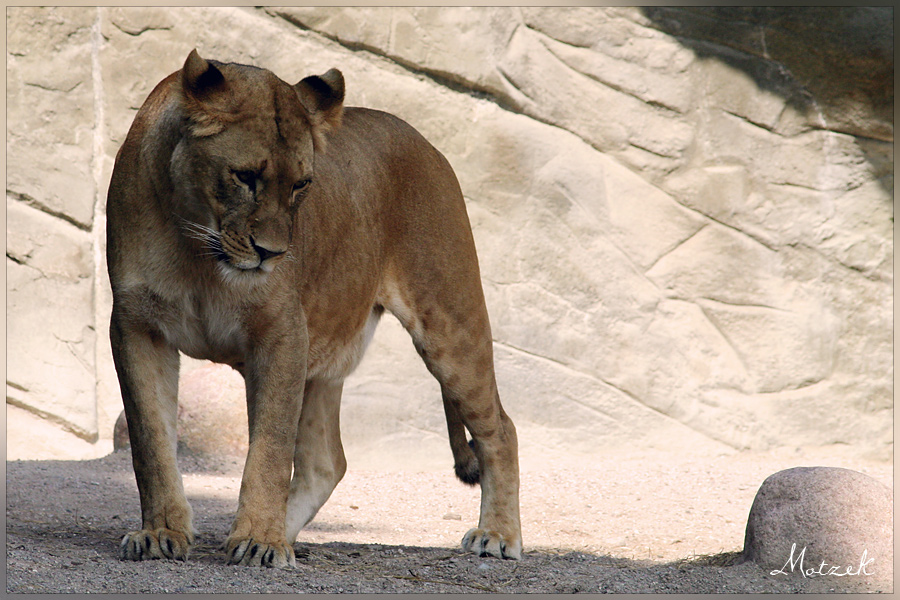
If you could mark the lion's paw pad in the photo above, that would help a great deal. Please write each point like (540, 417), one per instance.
(490, 543)
(250, 553)
(149, 544)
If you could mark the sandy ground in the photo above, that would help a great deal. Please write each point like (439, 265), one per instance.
(631, 523)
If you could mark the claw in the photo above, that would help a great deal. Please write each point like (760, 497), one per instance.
(151, 544)
(248, 552)
(490, 543)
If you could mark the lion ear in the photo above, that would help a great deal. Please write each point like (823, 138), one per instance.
(200, 78)
(323, 98)
(205, 94)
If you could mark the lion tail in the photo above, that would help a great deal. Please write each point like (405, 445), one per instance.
(465, 463)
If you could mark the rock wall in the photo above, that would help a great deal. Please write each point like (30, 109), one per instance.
(684, 217)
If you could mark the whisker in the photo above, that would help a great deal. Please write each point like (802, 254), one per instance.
(202, 237)
(197, 228)
(210, 238)
(199, 233)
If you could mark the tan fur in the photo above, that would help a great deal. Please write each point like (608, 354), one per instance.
(264, 226)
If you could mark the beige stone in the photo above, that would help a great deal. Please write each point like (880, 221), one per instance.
(461, 44)
(50, 327)
(367, 27)
(859, 233)
(720, 191)
(634, 64)
(781, 349)
(31, 436)
(212, 411)
(618, 33)
(722, 87)
(675, 251)
(605, 117)
(849, 226)
(564, 406)
(391, 411)
(722, 264)
(55, 249)
(50, 109)
(818, 160)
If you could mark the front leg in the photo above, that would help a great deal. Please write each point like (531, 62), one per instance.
(275, 373)
(319, 462)
(147, 367)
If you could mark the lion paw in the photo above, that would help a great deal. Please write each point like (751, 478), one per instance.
(490, 543)
(149, 544)
(251, 553)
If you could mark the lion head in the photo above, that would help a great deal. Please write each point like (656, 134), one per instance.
(246, 158)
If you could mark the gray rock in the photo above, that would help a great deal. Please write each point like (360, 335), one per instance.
(212, 414)
(120, 433)
(212, 411)
(806, 515)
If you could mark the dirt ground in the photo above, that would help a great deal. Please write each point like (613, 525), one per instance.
(631, 524)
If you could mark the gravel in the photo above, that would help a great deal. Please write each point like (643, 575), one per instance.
(631, 524)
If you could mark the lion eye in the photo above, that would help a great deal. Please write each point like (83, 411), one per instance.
(248, 178)
(299, 189)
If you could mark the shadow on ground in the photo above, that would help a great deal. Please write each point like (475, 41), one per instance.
(64, 520)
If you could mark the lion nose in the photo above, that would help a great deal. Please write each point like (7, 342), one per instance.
(265, 253)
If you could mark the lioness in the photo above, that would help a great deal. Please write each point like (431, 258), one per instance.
(264, 226)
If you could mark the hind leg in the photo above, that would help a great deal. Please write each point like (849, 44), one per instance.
(319, 462)
(433, 286)
(495, 445)
(452, 334)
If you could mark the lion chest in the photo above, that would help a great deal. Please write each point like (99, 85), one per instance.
(203, 329)
(208, 328)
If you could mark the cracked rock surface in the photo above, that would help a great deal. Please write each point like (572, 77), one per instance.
(684, 226)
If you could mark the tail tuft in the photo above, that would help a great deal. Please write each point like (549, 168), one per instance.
(466, 467)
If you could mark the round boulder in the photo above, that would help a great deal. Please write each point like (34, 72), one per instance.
(212, 413)
(822, 522)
